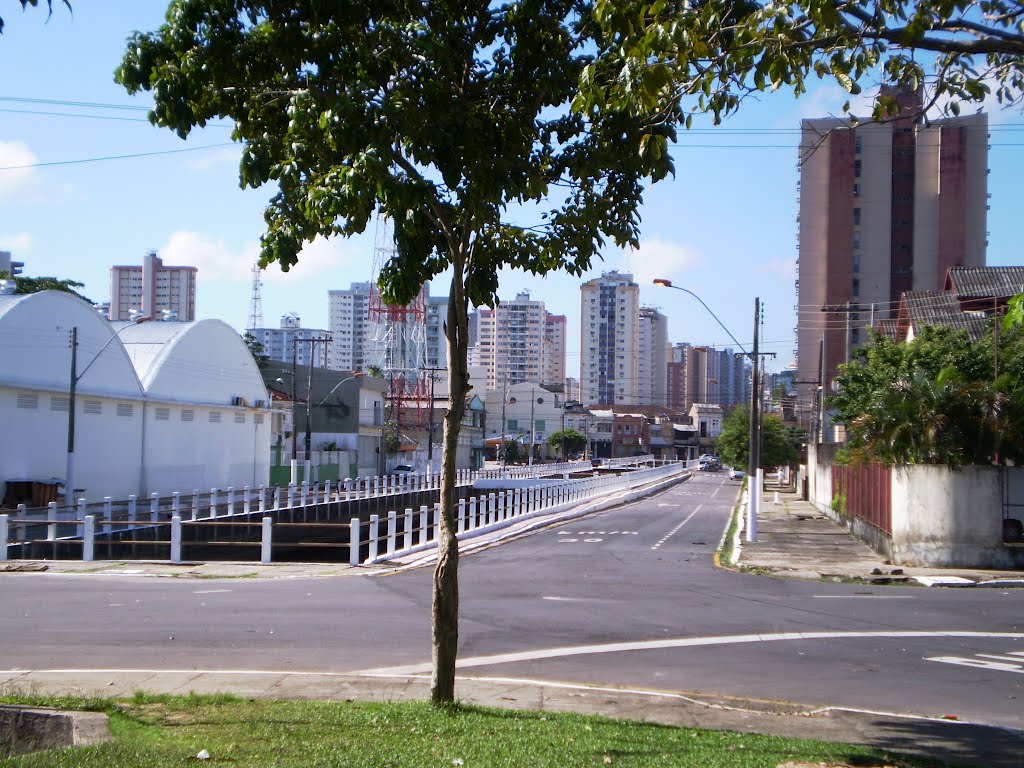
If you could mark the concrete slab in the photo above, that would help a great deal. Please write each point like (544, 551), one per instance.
(30, 729)
(1001, 583)
(944, 581)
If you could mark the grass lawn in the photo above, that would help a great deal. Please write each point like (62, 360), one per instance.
(171, 731)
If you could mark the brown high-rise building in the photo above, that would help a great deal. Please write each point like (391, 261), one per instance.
(884, 208)
(151, 288)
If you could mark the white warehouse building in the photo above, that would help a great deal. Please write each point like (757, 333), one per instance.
(159, 406)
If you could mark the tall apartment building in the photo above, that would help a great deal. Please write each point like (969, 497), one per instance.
(12, 268)
(554, 350)
(884, 208)
(291, 338)
(609, 339)
(699, 374)
(652, 358)
(348, 323)
(152, 288)
(437, 344)
(519, 341)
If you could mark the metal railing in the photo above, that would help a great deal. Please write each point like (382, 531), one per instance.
(158, 525)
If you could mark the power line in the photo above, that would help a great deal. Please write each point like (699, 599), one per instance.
(114, 157)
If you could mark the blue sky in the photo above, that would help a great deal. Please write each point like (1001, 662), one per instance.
(725, 227)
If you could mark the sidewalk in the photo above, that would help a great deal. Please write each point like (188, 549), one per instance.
(795, 540)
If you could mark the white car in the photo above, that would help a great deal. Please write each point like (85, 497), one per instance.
(736, 474)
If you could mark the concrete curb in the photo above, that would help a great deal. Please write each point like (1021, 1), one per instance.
(30, 729)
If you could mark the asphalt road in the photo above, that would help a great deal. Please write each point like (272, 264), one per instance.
(629, 597)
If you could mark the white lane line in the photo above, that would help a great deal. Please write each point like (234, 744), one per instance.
(716, 491)
(863, 597)
(209, 591)
(681, 642)
(672, 533)
(569, 599)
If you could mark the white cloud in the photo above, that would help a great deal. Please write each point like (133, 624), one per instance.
(213, 257)
(221, 161)
(14, 155)
(656, 258)
(216, 260)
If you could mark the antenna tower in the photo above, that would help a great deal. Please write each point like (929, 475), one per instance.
(398, 340)
(255, 301)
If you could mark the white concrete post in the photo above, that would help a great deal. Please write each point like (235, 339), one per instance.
(423, 525)
(51, 519)
(213, 503)
(265, 539)
(108, 514)
(295, 471)
(348, 487)
(81, 517)
(392, 531)
(407, 529)
(89, 539)
(175, 503)
(277, 497)
(460, 525)
(175, 539)
(3, 537)
(472, 514)
(437, 518)
(231, 500)
(374, 534)
(131, 508)
(291, 495)
(246, 500)
(376, 486)
(754, 505)
(327, 492)
(262, 499)
(195, 504)
(303, 493)
(353, 541)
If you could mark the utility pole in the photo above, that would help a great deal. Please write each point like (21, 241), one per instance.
(69, 477)
(309, 395)
(295, 433)
(754, 467)
(432, 372)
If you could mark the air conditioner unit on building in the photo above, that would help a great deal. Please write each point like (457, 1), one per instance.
(238, 401)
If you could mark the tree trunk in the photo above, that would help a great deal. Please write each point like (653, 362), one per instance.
(445, 603)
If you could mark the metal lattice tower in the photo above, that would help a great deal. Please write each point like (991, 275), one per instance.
(397, 342)
(255, 301)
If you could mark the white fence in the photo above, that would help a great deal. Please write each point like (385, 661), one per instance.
(83, 522)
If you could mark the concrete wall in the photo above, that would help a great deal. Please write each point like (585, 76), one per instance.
(945, 517)
(940, 517)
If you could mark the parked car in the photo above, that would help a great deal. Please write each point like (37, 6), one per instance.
(710, 465)
(403, 469)
(736, 474)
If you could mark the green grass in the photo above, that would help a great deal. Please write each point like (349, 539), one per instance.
(162, 731)
(725, 554)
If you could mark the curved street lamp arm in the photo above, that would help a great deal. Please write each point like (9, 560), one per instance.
(668, 284)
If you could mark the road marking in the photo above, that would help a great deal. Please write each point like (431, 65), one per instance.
(980, 663)
(569, 599)
(209, 591)
(671, 533)
(681, 642)
(863, 597)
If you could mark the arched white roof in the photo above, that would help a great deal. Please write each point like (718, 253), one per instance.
(35, 346)
(205, 362)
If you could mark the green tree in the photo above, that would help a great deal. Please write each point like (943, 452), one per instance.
(710, 55)
(567, 441)
(26, 3)
(779, 445)
(934, 400)
(513, 452)
(256, 349)
(390, 437)
(24, 284)
(453, 120)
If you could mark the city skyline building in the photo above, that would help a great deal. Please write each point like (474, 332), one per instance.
(609, 339)
(519, 341)
(883, 208)
(348, 312)
(151, 288)
(652, 357)
(280, 344)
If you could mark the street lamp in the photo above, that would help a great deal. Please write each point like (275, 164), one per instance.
(754, 458)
